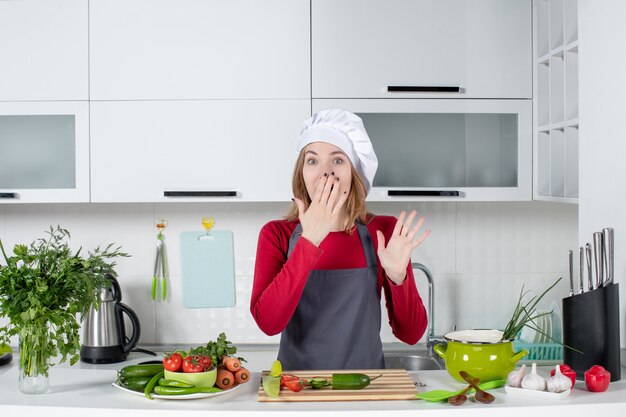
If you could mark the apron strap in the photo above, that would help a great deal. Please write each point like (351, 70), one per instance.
(364, 234)
(368, 245)
(294, 238)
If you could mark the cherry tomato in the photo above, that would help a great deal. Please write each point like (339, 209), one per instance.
(205, 361)
(284, 378)
(173, 362)
(597, 378)
(294, 385)
(567, 371)
(191, 365)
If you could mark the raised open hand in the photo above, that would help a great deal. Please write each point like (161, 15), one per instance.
(325, 209)
(395, 255)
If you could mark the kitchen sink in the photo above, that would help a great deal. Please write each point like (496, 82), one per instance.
(411, 362)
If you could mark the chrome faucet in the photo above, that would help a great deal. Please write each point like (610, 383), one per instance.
(431, 339)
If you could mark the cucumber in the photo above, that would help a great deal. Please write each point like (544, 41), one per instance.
(137, 383)
(318, 383)
(161, 390)
(132, 371)
(351, 381)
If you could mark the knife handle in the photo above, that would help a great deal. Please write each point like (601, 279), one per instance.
(598, 255)
(609, 261)
(589, 267)
(571, 272)
(581, 270)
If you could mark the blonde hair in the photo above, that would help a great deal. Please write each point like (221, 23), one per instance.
(354, 206)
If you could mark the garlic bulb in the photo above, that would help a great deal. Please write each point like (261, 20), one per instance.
(514, 379)
(534, 380)
(559, 382)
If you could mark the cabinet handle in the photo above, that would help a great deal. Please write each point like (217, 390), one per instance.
(8, 195)
(422, 193)
(423, 89)
(199, 193)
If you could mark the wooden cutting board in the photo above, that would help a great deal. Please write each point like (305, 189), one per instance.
(394, 384)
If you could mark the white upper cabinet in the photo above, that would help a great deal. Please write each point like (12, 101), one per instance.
(44, 50)
(199, 49)
(447, 150)
(364, 48)
(44, 147)
(194, 150)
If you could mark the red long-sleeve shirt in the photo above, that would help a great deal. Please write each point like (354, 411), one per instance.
(279, 281)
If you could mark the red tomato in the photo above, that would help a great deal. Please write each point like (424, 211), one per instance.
(567, 371)
(597, 378)
(173, 362)
(205, 361)
(294, 385)
(284, 378)
(191, 365)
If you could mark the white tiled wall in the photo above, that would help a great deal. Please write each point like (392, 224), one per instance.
(480, 255)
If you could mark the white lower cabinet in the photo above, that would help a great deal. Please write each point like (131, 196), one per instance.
(45, 152)
(213, 150)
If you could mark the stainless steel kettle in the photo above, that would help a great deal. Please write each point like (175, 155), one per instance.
(104, 336)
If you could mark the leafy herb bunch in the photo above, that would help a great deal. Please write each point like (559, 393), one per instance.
(43, 289)
(216, 349)
(525, 314)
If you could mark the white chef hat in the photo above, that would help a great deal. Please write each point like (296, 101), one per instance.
(346, 131)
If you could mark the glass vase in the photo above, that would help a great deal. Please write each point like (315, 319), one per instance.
(33, 362)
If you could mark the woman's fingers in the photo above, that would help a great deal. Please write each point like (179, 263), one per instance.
(333, 191)
(319, 188)
(343, 197)
(423, 237)
(415, 228)
(406, 226)
(328, 187)
(398, 226)
(403, 228)
(381, 241)
(300, 204)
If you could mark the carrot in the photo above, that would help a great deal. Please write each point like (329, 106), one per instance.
(242, 376)
(225, 379)
(231, 363)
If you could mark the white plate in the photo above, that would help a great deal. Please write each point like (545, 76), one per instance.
(179, 397)
(540, 395)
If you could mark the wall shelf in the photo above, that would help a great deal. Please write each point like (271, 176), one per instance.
(556, 101)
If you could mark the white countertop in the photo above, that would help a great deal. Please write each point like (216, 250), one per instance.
(86, 389)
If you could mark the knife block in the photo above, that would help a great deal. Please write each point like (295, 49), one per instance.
(591, 325)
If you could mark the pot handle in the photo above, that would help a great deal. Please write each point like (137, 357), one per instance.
(440, 349)
(519, 355)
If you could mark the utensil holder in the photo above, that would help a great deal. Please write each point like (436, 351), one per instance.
(591, 325)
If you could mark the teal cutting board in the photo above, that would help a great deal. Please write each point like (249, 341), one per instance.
(208, 269)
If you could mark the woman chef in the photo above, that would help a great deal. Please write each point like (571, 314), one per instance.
(319, 273)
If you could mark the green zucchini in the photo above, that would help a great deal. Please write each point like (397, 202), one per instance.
(137, 383)
(161, 390)
(351, 381)
(132, 371)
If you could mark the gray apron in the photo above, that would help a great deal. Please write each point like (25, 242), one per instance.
(336, 324)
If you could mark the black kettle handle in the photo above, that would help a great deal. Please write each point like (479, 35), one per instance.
(116, 291)
(134, 338)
